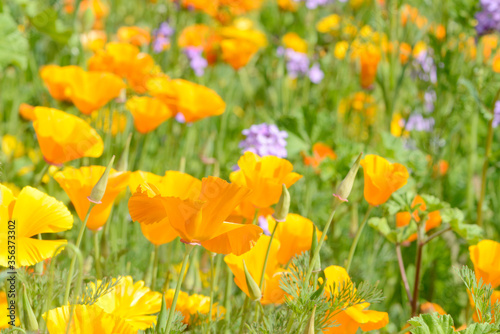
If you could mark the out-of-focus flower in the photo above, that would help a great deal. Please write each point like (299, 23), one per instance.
(239, 7)
(340, 50)
(404, 218)
(193, 101)
(148, 112)
(316, 75)
(98, 8)
(12, 148)
(293, 41)
(78, 184)
(404, 52)
(439, 32)
(496, 114)
(369, 58)
(265, 176)
(93, 40)
(134, 35)
(191, 305)
(320, 153)
(486, 256)
(295, 235)
(329, 24)
(288, 5)
(254, 260)
(264, 139)
(417, 122)
(56, 79)
(360, 103)
(161, 37)
(133, 302)
(313, 4)
(355, 317)
(397, 126)
(488, 19)
(27, 111)
(34, 212)
(382, 178)
(196, 60)
(428, 307)
(425, 68)
(201, 36)
(209, 7)
(64, 137)
(88, 319)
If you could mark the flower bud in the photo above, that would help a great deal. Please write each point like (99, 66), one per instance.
(283, 205)
(99, 189)
(161, 322)
(123, 162)
(310, 324)
(314, 245)
(30, 322)
(345, 187)
(253, 288)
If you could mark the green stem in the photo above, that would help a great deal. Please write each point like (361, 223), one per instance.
(212, 281)
(267, 256)
(356, 239)
(171, 313)
(227, 297)
(155, 267)
(245, 314)
(73, 260)
(97, 255)
(38, 178)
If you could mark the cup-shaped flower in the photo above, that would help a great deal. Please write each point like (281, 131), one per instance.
(133, 302)
(369, 59)
(56, 79)
(404, 218)
(354, 317)
(237, 52)
(31, 213)
(193, 101)
(486, 259)
(64, 137)
(265, 176)
(148, 112)
(78, 184)
(134, 35)
(88, 319)
(192, 305)
(382, 178)
(254, 260)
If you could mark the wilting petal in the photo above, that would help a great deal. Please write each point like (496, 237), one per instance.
(234, 239)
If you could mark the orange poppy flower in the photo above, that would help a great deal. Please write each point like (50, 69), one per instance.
(193, 101)
(486, 259)
(369, 59)
(64, 137)
(201, 36)
(320, 153)
(288, 5)
(199, 218)
(27, 112)
(428, 307)
(404, 218)
(354, 317)
(134, 35)
(56, 79)
(404, 52)
(148, 112)
(209, 7)
(254, 260)
(93, 40)
(237, 53)
(265, 176)
(239, 7)
(295, 235)
(146, 187)
(382, 178)
(78, 184)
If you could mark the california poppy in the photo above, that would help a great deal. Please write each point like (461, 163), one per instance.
(355, 317)
(201, 36)
(78, 184)
(134, 35)
(148, 112)
(404, 218)
(33, 212)
(254, 261)
(192, 305)
(56, 77)
(64, 137)
(27, 111)
(133, 302)
(88, 319)
(486, 259)
(382, 178)
(320, 153)
(209, 7)
(293, 41)
(369, 58)
(237, 53)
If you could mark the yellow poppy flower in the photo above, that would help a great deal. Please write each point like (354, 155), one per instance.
(486, 259)
(191, 305)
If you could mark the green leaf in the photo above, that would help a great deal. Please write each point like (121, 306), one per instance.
(432, 323)
(46, 22)
(14, 46)
(480, 329)
(433, 203)
(381, 225)
(470, 232)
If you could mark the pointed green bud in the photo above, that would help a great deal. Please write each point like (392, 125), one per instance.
(123, 162)
(314, 246)
(345, 187)
(281, 210)
(253, 288)
(310, 324)
(99, 189)
(161, 323)
(30, 322)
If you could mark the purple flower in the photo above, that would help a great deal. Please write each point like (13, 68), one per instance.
(418, 123)
(161, 37)
(429, 99)
(426, 68)
(488, 19)
(264, 225)
(496, 115)
(265, 139)
(316, 74)
(297, 63)
(313, 4)
(196, 60)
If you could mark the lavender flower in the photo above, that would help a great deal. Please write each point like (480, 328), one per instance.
(316, 75)
(418, 123)
(264, 225)
(196, 60)
(313, 4)
(297, 63)
(488, 19)
(429, 99)
(161, 37)
(426, 68)
(265, 139)
(496, 115)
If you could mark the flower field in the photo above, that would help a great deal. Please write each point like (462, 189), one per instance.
(250, 166)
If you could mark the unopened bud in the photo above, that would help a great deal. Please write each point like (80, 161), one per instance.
(253, 288)
(345, 187)
(29, 316)
(310, 324)
(283, 205)
(314, 245)
(123, 162)
(161, 322)
(99, 189)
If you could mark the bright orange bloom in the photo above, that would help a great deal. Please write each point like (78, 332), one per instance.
(382, 178)
(200, 217)
(288, 5)
(404, 218)
(239, 7)
(134, 35)
(486, 259)
(496, 64)
(265, 176)
(201, 36)
(191, 305)
(64, 137)
(148, 112)
(193, 101)
(209, 7)
(408, 13)
(294, 234)
(78, 183)
(27, 111)
(404, 52)
(428, 307)
(56, 79)
(354, 317)
(440, 32)
(157, 228)
(320, 153)
(237, 53)
(34, 212)
(254, 260)
(369, 59)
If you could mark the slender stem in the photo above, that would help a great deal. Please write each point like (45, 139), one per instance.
(38, 178)
(403, 272)
(155, 267)
(212, 281)
(171, 313)
(97, 255)
(227, 297)
(356, 239)
(245, 314)
(267, 256)
(435, 235)
(418, 266)
(73, 260)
